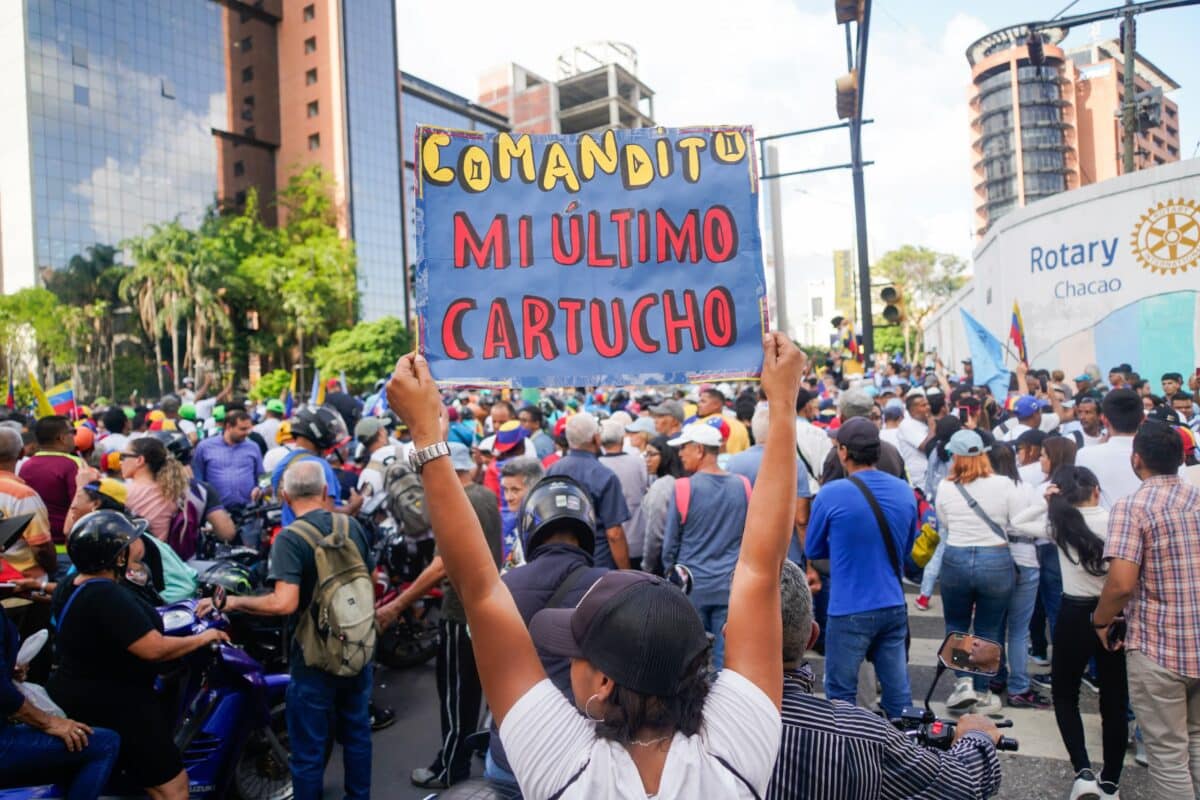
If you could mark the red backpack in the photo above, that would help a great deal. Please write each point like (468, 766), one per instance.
(683, 495)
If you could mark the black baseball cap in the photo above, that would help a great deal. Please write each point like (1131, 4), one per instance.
(858, 432)
(634, 627)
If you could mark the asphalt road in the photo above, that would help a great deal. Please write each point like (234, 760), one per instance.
(1039, 770)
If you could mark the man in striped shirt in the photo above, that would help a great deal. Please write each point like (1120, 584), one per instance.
(832, 749)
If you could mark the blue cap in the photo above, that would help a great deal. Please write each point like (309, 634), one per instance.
(1026, 406)
(1083, 377)
(966, 443)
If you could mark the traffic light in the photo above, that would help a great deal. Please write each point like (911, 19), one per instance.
(848, 10)
(847, 95)
(893, 310)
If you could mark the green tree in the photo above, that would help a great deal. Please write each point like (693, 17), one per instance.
(925, 280)
(366, 352)
(271, 385)
(34, 318)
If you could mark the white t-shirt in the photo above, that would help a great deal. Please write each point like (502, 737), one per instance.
(814, 443)
(997, 496)
(1069, 429)
(1077, 581)
(274, 456)
(1032, 475)
(372, 474)
(268, 429)
(1190, 475)
(911, 434)
(890, 435)
(1009, 431)
(1110, 462)
(548, 743)
(204, 408)
(113, 443)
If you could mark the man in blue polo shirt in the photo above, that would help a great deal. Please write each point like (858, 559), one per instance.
(230, 462)
(582, 462)
(867, 615)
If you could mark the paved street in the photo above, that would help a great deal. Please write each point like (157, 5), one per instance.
(1039, 770)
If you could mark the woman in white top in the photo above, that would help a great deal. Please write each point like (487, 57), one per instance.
(1079, 528)
(974, 506)
(644, 719)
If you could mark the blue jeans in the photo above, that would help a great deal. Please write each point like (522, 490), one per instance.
(498, 774)
(314, 700)
(878, 635)
(977, 585)
(1051, 583)
(1020, 611)
(28, 755)
(714, 618)
(933, 569)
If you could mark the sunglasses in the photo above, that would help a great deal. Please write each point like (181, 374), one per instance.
(124, 456)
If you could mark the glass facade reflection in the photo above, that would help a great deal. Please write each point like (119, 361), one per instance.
(123, 98)
(375, 216)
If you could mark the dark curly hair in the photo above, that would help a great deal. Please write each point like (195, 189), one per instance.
(628, 712)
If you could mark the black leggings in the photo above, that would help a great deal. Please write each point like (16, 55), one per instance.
(1075, 643)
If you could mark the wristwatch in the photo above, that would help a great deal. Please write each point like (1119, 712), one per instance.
(1098, 626)
(417, 459)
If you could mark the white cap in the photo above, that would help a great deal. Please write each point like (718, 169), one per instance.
(700, 433)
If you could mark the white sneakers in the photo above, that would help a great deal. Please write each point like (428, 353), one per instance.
(989, 703)
(963, 696)
(1085, 786)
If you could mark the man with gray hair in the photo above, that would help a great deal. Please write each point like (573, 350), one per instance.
(582, 462)
(857, 403)
(833, 749)
(630, 470)
(517, 477)
(316, 699)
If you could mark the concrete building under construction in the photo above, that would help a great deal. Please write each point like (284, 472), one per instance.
(597, 87)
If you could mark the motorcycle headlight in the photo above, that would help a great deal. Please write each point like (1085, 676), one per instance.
(177, 618)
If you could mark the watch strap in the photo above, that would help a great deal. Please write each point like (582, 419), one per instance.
(419, 458)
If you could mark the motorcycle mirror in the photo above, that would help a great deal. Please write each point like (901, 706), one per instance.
(681, 576)
(972, 654)
(219, 597)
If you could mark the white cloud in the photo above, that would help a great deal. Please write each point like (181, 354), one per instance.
(772, 64)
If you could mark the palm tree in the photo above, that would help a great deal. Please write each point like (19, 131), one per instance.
(159, 285)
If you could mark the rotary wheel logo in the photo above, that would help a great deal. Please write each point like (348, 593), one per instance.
(1167, 237)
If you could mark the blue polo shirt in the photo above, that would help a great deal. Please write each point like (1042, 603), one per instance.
(287, 516)
(843, 529)
(233, 469)
(607, 499)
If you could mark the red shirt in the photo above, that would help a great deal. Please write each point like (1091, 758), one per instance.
(52, 476)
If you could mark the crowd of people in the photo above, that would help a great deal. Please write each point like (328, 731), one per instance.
(1061, 520)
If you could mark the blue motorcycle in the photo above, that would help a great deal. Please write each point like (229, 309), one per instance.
(230, 724)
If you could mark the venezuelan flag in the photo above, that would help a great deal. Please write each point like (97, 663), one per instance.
(62, 399)
(10, 401)
(289, 395)
(44, 409)
(1016, 333)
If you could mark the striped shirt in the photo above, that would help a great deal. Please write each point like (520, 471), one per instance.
(17, 497)
(831, 749)
(1158, 528)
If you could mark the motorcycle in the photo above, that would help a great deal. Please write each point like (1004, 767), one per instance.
(399, 559)
(230, 724)
(966, 653)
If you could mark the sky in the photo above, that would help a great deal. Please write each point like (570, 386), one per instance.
(772, 64)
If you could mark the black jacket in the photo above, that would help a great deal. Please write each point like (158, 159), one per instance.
(532, 587)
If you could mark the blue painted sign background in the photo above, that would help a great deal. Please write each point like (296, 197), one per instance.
(621, 257)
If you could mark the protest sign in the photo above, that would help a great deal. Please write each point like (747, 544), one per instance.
(618, 257)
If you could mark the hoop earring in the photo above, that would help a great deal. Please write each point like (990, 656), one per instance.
(587, 712)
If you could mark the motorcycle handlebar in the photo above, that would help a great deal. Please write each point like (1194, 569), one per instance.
(1008, 743)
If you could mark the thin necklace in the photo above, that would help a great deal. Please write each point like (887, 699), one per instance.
(652, 742)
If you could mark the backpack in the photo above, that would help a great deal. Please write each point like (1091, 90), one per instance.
(683, 495)
(337, 631)
(405, 497)
(183, 532)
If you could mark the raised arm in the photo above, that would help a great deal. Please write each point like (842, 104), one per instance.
(753, 635)
(508, 663)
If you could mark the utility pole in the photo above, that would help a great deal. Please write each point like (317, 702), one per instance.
(780, 268)
(1129, 105)
(856, 61)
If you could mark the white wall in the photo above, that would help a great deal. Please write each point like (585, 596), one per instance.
(16, 173)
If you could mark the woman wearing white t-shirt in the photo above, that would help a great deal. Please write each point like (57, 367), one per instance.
(974, 506)
(1079, 527)
(644, 720)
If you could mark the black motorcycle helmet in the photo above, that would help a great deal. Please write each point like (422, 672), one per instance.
(557, 503)
(177, 444)
(98, 539)
(234, 577)
(319, 425)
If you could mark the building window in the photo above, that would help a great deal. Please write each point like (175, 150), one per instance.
(249, 132)
(310, 12)
(313, 109)
(310, 77)
(248, 108)
(246, 45)
(247, 74)
(310, 44)
(239, 169)
(314, 141)
(79, 56)
(239, 198)
(818, 307)
(168, 88)
(81, 95)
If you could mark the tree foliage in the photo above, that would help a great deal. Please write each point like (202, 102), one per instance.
(925, 278)
(35, 318)
(271, 385)
(366, 352)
